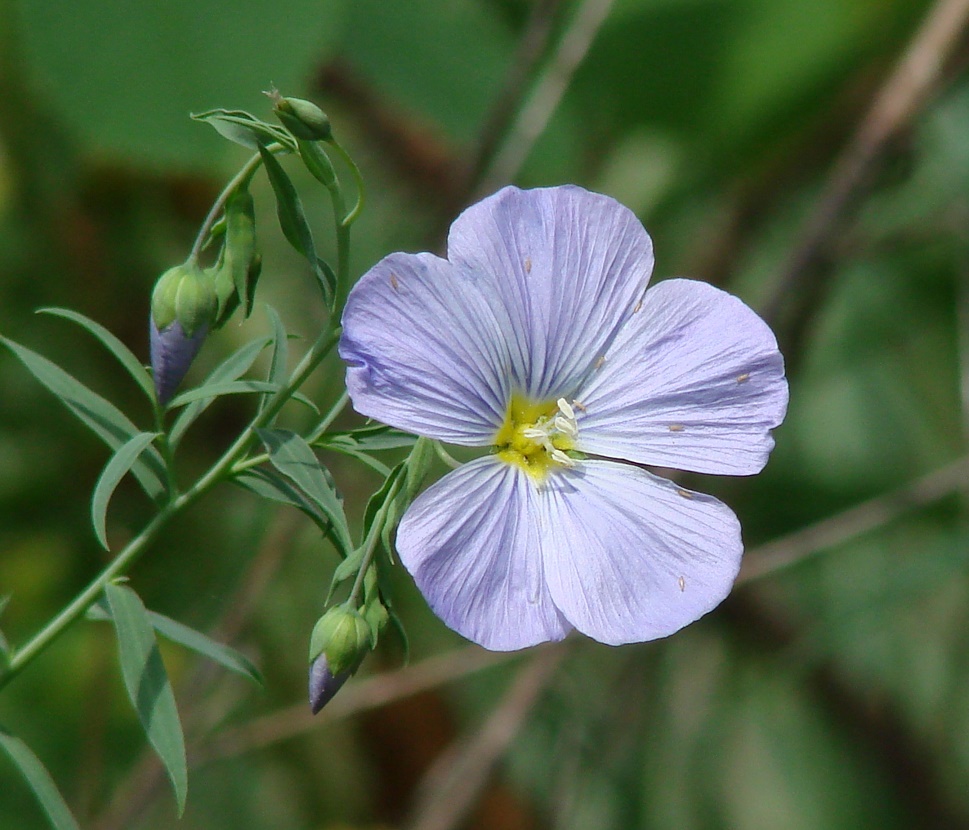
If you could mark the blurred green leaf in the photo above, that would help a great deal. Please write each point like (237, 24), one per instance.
(292, 221)
(245, 129)
(39, 780)
(103, 417)
(148, 686)
(147, 66)
(295, 459)
(192, 639)
(116, 469)
(124, 355)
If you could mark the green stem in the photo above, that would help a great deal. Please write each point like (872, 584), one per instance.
(351, 217)
(126, 558)
(218, 206)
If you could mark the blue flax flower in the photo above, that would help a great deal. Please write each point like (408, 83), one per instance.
(536, 338)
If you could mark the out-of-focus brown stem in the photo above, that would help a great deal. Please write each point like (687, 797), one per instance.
(916, 76)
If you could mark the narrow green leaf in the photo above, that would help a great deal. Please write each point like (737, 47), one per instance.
(192, 639)
(124, 355)
(245, 129)
(280, 359)
(237, 364)
(101, 416)
(295, 459)
(217, 390)
(292, 219)
(368, 439)
(148, 686)
(345, 570)
(271, 485)
(39, 780)
(116, 469)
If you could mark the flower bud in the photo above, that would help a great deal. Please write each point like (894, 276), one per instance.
(343, 635)
(303, 119)
(183, 305)
(323, 683)
(172, 353)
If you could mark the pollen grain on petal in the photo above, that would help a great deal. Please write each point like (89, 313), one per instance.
(580, 406)
(600, 361)
(743, 378)
(676, 427)
(528, 265)
(394, 282)
(682, 583)
(685, 493)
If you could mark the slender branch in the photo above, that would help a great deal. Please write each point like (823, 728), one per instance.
(218, 206)
(362, 695)
(453, 785)
(532, 45)
(897, 103)
(793, 548)
(544, 100)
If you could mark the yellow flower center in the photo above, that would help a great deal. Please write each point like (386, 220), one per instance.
(537, 436)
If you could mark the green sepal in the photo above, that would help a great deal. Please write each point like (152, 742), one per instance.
(240, 245)
(302, 118)
(318, 163)
(245, 129)
(344, 636)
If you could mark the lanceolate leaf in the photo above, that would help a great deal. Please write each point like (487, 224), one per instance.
(124, 355)
(147, 683)
(272, 485)
(292, 219)
(116, 469)
(103, 417)
(294, 458)
(277, 368)
(217, 390)
(40, 782)
(192, 639)
(245, 129)
(237, 364)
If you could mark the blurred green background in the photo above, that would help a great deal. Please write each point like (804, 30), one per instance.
(829, 693)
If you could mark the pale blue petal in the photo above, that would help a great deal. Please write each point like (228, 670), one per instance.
(693, 381)
(567, 265)
(473, 543)
(632, 557)
(425, 350)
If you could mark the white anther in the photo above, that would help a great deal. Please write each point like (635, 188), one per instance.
(561, 458)
(566, 409)
(566, 427)
(535, 434)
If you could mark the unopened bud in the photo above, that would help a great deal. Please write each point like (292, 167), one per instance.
(323, 683)
(303, 119)
(172, 353)
(183, 305)
(344, 636)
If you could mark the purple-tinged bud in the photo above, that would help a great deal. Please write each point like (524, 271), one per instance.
(183, 306)
(341, 639)
(323, 683)
(172, 354)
